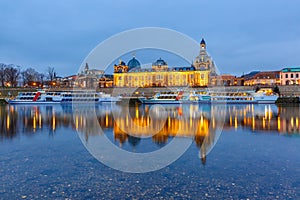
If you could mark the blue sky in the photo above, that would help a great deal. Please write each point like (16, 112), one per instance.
(241, 35)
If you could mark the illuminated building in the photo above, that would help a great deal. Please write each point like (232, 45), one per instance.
(263, 78)
(203, 61)
(132, 75)
(290, 76)
(89, 78)
(226, 80)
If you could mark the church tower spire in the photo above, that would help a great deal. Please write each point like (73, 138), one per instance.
(203, 44)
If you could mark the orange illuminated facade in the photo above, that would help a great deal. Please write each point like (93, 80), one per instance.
(264, 78)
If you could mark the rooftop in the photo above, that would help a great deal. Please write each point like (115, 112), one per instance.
(294, 69)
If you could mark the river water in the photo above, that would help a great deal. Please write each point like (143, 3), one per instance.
(149, 152)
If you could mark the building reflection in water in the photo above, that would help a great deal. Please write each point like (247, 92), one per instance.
(161, 123)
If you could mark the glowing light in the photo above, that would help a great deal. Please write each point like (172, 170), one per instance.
(278, 123)
(235, 122)
(34, 122)
(76, 122)
(8, 122)
(53, 122)
(136, 113)
(106, 119)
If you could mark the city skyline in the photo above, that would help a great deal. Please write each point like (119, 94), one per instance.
(244, 37)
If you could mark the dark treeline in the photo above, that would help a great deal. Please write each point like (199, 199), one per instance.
(13, 75)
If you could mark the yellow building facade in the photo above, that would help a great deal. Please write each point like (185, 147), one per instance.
(161, 75)
(161, 78)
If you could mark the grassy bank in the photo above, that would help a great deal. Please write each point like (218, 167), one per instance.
(288, 100)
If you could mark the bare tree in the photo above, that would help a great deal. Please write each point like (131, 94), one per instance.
(29, 75)
(12, 73)
(41, 78)
(2, 74)
(51, 73)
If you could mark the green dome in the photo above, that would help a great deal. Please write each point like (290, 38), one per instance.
(133, 64)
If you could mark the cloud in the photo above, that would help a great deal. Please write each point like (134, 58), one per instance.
(239, 34)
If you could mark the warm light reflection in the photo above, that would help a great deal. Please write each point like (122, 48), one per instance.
(106, 119)
(253, 123)
(196, 121)
(53, 122)
(278, 124)
(34, 122)
(235, 122)
(8, 122)
(76, 122)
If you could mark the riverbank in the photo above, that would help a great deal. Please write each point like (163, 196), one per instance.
(3, 102)
(288, 100)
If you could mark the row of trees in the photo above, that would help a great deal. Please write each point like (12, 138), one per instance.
(11, 75)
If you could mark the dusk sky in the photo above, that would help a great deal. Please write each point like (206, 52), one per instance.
(241, 36)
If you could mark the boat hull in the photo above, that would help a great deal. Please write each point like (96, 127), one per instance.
(155, 101)
(13, 102)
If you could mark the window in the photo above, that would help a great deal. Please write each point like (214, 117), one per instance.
(286, 75)
(292, 75)
(297, 75)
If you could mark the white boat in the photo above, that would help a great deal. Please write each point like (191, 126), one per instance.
(56, 97)
(178, 97)
(38, 97)
(244, 97)
(107, 98)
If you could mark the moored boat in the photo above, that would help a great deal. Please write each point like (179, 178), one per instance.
(56, 97)
(38, 97)
(243, 97)
(170, 97)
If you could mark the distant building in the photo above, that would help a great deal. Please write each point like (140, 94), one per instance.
(226, 80)
(269, 78)
(89, 78)
(290, 76)
(68, 81)
(106, 81)
(160, 74)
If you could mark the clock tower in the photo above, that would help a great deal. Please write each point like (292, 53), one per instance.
(203, 61)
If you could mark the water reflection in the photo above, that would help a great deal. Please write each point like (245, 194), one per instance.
(167, 120)
(267, 118)
(160, 123)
